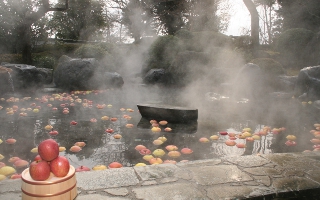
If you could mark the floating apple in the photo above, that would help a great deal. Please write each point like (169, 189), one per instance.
(48, 149)
(230, 142)
(186, 151)
(20, 163)
(82, 169)
(140, 165)
(73, 123)
(315, 141)
(153, 161)
(256, 137)
(109, 130)
(223, 133)
(172, 148)
(241, 145)
(39, 170)
(163, 139)
(170, 162)
(140, 147)
(62, 149)
(115, 165)
(291, 137)
(163, 122)
(203, 140)
(232, 134)
(129, 125)
(145, 151)
(232, 138)
(2, 164)
(53, 133)
(65, 111)
(168, 129)
(80, 144)
(15, 176)
(214, 137)
(113, 119)
(158, 153)
(117, 136)
(13, 159)
(291, 143)
(75, 149)
(48, 127)
(153, 121)
(155, 125)
(60, 166)
(99, 167)
(104, 118)
(155, 129)
(147, 157)
(157, 142)
(93, 120)
(174, 154)
(250, 139)
(11, 141)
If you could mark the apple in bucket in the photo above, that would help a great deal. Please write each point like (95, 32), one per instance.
(48, 149)
(60, 166)
(39, 170)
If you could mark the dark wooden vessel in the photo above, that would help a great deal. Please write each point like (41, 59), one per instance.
(173, 114)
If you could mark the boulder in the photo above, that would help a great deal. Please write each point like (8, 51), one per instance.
(308, 84)
(155, 76)
(23, 78)
(84, 74)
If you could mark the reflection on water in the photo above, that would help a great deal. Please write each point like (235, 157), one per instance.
(101, 146)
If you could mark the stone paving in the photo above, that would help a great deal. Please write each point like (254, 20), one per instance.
(270, 176)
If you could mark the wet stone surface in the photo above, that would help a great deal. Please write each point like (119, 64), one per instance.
(211, 175)
(156, 171)
(262, 171)
(293, 184)
(247, 161)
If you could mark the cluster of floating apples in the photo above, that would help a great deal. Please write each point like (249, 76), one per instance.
(316, 140)
(17, 163)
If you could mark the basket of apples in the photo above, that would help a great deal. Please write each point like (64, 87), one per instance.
(49, 176)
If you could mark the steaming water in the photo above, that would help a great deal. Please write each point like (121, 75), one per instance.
(103, 148)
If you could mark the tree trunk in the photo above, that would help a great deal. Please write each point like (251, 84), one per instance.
(254, 25)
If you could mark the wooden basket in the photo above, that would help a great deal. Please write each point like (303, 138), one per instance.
(54, 188)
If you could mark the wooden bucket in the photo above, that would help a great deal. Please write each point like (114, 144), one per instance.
(54, 188)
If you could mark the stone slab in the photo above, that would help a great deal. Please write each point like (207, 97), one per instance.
(10, 196)
(210, 175)
(98, 197)
(228, 192)
(10, 186)
(247, 161)
(172, 191)
(110, 178)
(288, 184)
(151, 172)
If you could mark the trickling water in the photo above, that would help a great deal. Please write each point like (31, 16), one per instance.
(11, 81)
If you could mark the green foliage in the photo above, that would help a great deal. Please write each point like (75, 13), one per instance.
(162, 52)
(44, 61)
(90, 51)
(184, 34)
(83, 20)
(11, 58)
(295, 47)
(208, 40)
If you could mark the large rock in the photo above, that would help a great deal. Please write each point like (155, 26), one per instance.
(24, 78)
(308, 84)
(84, 74)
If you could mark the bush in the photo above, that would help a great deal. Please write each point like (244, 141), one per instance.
(11, 58)
(90, 51)
(296, 48)
(44, 61)
(162, 53)
(269, 66)
(206, 40)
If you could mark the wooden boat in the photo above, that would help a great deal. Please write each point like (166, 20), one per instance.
(173, 114)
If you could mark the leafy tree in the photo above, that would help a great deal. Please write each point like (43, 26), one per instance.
(300, 14)
(20, 24)
(84, 20)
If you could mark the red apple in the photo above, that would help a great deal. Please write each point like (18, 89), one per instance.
(82, 169)
(291, 143)
(145, 151)
(140, 147)
(73, 123)
(53, 132)
(223, 133)
(11, 141)
(115, 165)
(60, 166)
(241, 145)
(21, 163)
(38, 157)
(15, 176)
(186, 151)
(230, 142)
(109, 130)
(48, 149)
(39, 170)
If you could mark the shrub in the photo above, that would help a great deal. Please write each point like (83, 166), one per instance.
(90, 51)
(162, 52)
(296, 47)
(269, 66)
(11, 58)
(44, 61)
(206, 40)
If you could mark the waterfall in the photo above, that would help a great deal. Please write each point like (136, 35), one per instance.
(10, 81)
